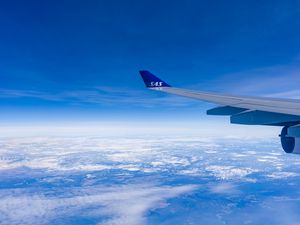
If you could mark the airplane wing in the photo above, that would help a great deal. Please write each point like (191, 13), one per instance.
(244, 109)
(241, 109)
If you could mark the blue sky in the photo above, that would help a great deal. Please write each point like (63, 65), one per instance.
(79, 60)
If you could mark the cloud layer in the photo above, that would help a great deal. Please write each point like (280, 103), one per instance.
(114, 181)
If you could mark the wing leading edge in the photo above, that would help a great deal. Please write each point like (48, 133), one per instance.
(241, 109)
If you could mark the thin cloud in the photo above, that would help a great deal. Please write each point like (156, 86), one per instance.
(274, 81)
(101, 96)
(126, 204)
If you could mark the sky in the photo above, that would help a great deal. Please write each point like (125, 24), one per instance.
(78, 61)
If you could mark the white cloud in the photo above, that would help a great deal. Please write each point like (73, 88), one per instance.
(122, 205)
(60, 160)
(193, 156)
(229, 172)
(282, 175)
(224, 188)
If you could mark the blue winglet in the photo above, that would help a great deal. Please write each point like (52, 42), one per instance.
(152, 81)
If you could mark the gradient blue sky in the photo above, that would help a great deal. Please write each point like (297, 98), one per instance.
(79, 60)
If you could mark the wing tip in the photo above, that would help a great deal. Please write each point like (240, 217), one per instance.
(152, 81)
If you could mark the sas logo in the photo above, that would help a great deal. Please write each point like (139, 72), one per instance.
(156, 84)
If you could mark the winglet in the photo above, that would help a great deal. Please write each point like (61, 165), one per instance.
(152, 81)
